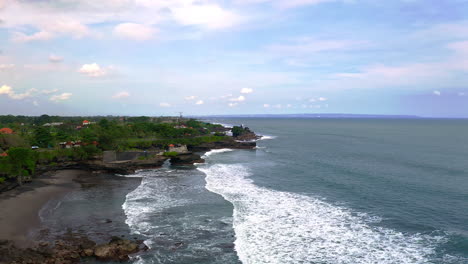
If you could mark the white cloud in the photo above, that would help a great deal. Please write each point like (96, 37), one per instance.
(438, 93)
(165, 104)
(210, 16)
(92, 70)
(322, 99)
(232, 104)
(199, 102)
(35, 103)
(41, 36)
(49, 91)
(238, 99)
(266, 105)
(246, 90)
(55, 58)
(4, 67)
(61, 97)
(461, 94)
(7, 90)
(121, 95)
(190, 98)
(134, 31)
(312, 100)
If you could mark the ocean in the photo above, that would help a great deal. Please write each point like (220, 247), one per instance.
(314, 191)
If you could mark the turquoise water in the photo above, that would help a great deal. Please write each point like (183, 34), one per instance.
(349, 191)
(314, 191)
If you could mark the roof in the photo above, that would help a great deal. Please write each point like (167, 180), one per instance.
(4, 154)
(85, 121)
(171, 145)
(6, 130)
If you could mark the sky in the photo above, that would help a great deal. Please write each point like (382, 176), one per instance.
(202, 57)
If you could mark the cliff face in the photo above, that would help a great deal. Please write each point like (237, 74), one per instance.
(231, 143)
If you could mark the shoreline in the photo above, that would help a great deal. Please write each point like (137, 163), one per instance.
(20, 207)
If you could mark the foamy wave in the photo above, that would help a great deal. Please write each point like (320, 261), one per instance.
(266, 137)
(216, 151)
(148, 198)
(281, 227)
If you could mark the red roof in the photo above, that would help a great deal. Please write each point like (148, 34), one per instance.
(4, 154)
(85, 121)
(171, 145)
(6, 130)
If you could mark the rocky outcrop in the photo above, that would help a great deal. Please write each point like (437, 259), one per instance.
(228, 143)
(248, 136)
(72, 248)
(119, 167)
(186, 159)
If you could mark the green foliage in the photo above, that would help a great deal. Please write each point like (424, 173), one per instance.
(22, 163)
(42, 137)
(237, 131)
(170, 154)
(2, 180)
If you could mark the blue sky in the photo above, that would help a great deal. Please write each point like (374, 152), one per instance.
(159, 57)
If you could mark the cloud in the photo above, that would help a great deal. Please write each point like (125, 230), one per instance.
(4, 67)
(35, 103)
(121, 95)
(134, 31)
(238, 99)
(49, 91)
(55, 58)
(232, 104)
(165, 104)
(199, 102)
(7, 90)
(210, 16)
(61, 97)
(92, 70)
(191, 97)
(246, 90)
(461, 94)
(266, 105)
(438, 93)
(38, 36)
(322, 99)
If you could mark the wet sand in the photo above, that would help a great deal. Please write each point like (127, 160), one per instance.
(19, 208)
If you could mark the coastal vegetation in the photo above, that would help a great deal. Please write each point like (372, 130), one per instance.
(48, 140)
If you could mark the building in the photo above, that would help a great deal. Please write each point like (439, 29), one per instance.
(86, 122)
(6, 130)
(4, 154)
(53, 124)
(178, 148)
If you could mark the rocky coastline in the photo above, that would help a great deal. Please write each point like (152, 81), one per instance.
(74, 246)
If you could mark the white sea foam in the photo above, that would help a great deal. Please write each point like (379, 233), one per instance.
(281, 227)
(150, 197)
(266, 137)
(216, 151)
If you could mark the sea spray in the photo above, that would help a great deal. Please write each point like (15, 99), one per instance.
(281, 227)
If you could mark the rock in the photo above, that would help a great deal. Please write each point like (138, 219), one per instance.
(104, 252)
(186, 159)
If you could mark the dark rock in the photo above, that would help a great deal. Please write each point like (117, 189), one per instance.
(186, 159)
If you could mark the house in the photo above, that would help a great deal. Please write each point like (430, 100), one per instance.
(86, 122)
(4, 154)
(6, 130)
(53, 124)
(178, 148)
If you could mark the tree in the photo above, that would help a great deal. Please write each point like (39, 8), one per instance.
(237, 131)
(21, 162)
(42, 137)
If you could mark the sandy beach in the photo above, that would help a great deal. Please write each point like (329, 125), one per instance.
(19, 208)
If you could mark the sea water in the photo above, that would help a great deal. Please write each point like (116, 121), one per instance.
(313, 191)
